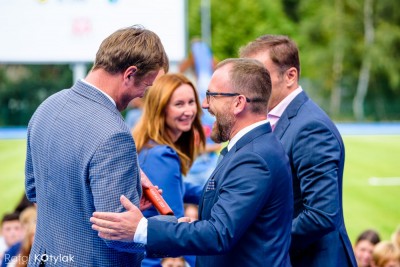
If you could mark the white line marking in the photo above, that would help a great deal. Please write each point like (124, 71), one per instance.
(384, 181)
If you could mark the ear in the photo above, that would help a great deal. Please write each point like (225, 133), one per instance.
(130, 72)
(239, 104)
(291, 76)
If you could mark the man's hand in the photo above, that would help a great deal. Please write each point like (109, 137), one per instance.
(117, 226)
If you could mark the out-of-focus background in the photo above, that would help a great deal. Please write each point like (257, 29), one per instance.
(349, 50)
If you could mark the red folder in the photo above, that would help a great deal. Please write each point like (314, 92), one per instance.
(157, 200)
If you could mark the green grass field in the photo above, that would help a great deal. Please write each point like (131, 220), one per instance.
(365, 206)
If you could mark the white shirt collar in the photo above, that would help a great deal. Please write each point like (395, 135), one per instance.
(280, 108)
(109, 97)
(244, 131)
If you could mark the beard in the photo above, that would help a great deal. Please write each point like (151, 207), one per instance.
(222, 127)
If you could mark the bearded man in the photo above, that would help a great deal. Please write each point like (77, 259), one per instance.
(246, 208)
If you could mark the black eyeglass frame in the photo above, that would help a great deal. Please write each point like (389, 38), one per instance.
(208, 94)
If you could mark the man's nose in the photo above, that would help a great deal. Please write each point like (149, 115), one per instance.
(205, 104)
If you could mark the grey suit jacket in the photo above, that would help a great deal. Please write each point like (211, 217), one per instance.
(81, 158)
(316, 153)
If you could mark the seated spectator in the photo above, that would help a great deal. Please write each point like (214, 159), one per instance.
(364, 247)
(11, 231)
(385, 254)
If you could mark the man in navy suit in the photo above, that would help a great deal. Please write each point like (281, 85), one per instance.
(316, 153)
(81, 155)
(247, 204)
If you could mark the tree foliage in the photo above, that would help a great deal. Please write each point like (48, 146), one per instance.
(234, 23)
(23, 88)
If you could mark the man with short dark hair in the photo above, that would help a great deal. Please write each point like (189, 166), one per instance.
(316, 153)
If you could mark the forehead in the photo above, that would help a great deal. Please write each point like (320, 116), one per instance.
(262, 56)
(11, 223)
(183, 91)
(220, 78)
(265, 59)
(364, 243)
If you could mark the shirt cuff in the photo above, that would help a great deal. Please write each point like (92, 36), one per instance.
(141, 232)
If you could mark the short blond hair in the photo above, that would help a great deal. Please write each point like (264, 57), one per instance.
(384, 252)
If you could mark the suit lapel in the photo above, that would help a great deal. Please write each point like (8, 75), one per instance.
(290, 112)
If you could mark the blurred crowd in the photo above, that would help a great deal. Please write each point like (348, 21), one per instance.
(371, 251)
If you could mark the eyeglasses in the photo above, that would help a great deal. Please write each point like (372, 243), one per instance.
(208, 94)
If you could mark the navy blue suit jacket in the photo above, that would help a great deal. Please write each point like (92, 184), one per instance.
(316, 153)
(246, 219)
(81, 158)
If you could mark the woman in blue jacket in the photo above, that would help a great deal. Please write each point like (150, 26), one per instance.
(168, 137)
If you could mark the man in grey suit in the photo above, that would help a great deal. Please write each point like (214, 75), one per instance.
(81, 156)
(316, 153)
(247, 204)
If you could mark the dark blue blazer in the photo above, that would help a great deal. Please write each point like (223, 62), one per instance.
(316, 153)
(246, 219)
